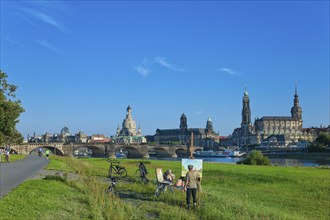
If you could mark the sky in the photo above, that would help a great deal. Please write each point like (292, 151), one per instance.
(81, 63)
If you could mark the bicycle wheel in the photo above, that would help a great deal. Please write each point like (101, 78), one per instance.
(159, 190)
(110, 171)
(111, 189)
(137, 173)
(122, 172)
(145, 180)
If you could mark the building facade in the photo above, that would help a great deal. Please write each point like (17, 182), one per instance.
(271, 130)
(204, 137)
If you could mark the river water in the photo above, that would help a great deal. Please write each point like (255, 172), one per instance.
(274, 161)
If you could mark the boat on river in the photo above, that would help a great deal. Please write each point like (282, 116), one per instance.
(225, 153)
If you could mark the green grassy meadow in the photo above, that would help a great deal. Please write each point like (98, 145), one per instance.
(12, 158)
(229, 192)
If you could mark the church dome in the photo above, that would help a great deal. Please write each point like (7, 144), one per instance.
(65, 130)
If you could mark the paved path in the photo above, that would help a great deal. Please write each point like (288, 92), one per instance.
(13, 174)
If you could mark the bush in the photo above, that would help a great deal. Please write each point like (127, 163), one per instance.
(255, 158)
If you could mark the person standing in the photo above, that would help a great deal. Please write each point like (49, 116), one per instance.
(191, 185)
(0, 155)
(47, 154)
(40, 151)
(7, 152)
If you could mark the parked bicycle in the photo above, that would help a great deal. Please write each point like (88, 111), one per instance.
(112, 187)
(141, 172)
(117, 169)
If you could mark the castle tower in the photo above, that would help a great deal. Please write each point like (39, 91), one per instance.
(296, 111)
(246, 114)
(183, 124)
(139, 133)
(118, 130)
(209, 125)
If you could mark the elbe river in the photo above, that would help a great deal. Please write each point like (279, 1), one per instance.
(274, 161)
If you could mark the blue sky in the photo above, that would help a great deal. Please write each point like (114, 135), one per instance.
(81, 63)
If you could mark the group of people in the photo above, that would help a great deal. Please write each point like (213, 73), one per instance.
(6, 152)
(40, 152)
(190, 186)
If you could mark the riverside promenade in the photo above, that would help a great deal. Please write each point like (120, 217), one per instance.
(14, 173)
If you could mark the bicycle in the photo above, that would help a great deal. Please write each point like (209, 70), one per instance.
(120, 170)
(112, 187)
(141, 173)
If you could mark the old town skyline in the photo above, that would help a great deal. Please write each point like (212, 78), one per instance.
(164, 59)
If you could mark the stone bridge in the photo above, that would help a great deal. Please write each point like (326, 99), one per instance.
(104, 149)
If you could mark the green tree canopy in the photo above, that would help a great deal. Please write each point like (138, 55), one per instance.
(10, 110)
(324, 139)
(255, 158)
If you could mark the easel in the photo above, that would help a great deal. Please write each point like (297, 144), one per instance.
(192, 148)
(191, 151)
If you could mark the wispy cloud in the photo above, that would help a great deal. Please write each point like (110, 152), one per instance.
(162, 61)
(41, 16)
(142, 68)
(230, 71)
(49, 46)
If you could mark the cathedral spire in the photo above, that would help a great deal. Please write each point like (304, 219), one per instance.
(246, 114)
(246, 92)
(296, 111)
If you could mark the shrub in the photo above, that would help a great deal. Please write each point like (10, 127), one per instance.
(255, 158)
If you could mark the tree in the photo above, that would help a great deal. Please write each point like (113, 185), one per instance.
(321, 143)
(255, 158)
(323, 139)
(10, 110)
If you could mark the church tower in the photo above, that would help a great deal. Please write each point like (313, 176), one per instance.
(183, 124)
(246, 114)
(296, 111)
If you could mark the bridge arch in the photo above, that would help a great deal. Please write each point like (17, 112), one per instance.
(52, 149)
(132, 152)
(181, 151)
(161, 152)
(98, 150)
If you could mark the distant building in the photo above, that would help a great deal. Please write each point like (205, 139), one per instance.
(128, 133)
(271, 130)
(205, 137)
(66, 137)
(98, 138)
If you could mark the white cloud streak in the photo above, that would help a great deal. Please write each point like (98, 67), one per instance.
(162, 61)
(43, 17)
(230, 71)
(142, 68)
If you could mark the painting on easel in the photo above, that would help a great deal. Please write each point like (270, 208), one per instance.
(197, 163)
